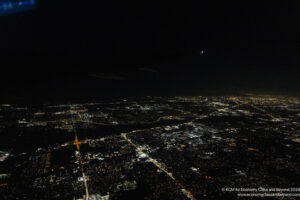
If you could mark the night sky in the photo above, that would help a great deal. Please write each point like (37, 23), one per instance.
(105, 48)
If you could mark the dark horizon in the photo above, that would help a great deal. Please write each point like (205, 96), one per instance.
(43, 87)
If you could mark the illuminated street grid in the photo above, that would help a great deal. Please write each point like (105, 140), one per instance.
(149, 148)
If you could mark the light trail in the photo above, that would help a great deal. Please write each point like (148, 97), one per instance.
(77, 144)
(159, 165)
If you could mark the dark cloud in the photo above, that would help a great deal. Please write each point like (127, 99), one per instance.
(148, 69)
(109, 76)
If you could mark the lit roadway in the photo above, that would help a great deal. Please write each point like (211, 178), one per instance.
(77, 143)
